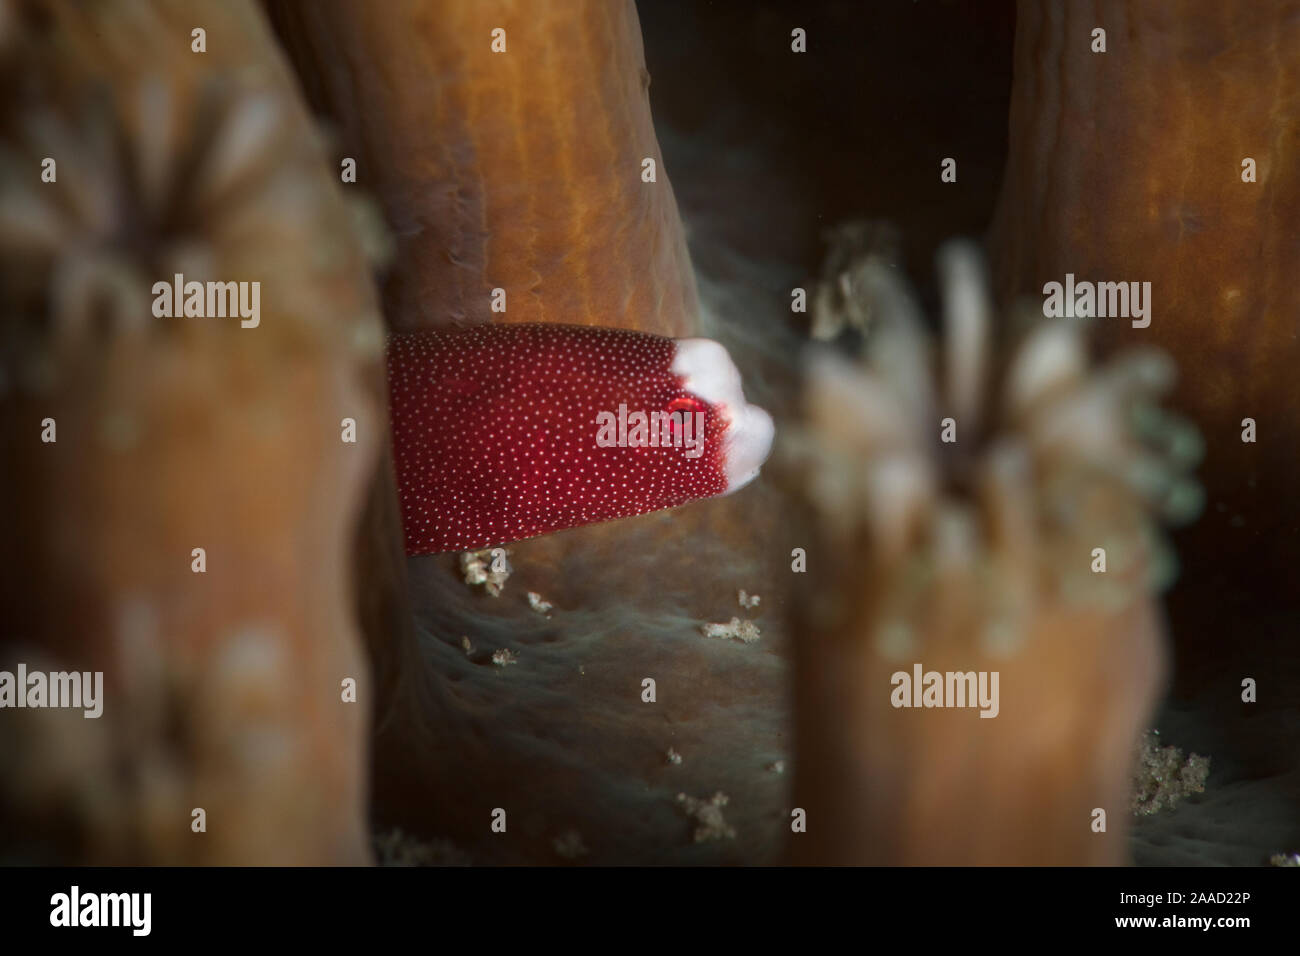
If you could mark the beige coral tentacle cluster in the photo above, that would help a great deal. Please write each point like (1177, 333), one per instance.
(1052, 461)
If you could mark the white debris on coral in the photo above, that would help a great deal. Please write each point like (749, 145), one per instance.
(708, 813)
(860, 254)
(747, 600)
(466, 646)
(735, 629)
(673, 756)
(569, 845)
(778, 767)
(487, 569)
(1162, 777)
(398, 848)
(538, 603)
(503, 657)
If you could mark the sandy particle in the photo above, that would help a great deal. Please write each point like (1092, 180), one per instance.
(735, 629)
(708, 814)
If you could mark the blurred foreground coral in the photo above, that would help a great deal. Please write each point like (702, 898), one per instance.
(222, 686)
(987, 506)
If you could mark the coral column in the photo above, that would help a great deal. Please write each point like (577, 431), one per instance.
(970, 682)
(184, 499)
(1170, 158)
(507, 143)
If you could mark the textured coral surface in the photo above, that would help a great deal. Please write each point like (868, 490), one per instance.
(223, 670)
(519, 170)
(1129, 165)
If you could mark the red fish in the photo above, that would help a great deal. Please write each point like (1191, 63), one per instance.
(504, 432)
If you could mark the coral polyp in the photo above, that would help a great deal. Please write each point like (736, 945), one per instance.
(1008, 483)
(988, 506)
